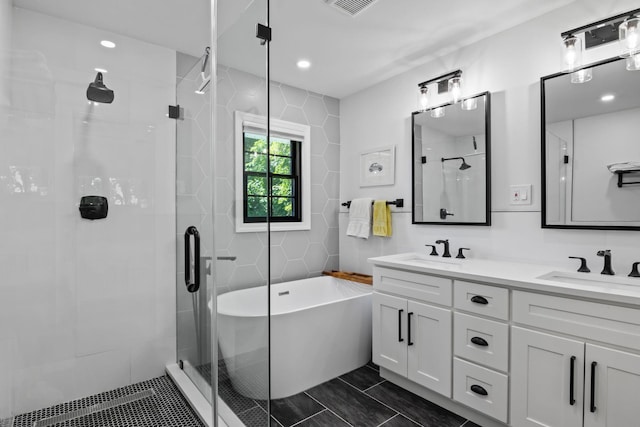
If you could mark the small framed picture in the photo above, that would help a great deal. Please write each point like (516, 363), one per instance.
(377, 166)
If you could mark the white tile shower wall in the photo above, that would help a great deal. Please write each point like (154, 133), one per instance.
(85, 306)
(380, 115)
(294, 254)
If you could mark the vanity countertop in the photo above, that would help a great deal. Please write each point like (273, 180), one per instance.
(521, 276)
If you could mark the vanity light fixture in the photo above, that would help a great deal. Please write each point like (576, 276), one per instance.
(437, 112)
(455, 89)
(582, 76)
(629, 36)
(608, 97)
(633, 63)
(423, 98)
(625, 28)
(469, 104)
(450, 82)
(572, 53)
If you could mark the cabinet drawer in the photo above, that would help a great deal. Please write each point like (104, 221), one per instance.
(467, 329)
(413, 285)
(472, 297)
(602, 322)
(468, 377)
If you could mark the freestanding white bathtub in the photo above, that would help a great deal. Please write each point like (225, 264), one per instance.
(320, 329)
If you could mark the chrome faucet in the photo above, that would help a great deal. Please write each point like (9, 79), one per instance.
(446, 253)
(607, 262)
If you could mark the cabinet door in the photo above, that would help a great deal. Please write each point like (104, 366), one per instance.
(429, 347)
(615, 390)
(541, 380)
(390, 332)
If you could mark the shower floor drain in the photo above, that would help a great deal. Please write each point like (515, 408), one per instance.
(57, 419)
(129, 406)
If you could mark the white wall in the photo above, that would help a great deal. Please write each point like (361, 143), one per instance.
(509, 65)
(85, 306)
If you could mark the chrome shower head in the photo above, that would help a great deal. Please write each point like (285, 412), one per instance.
(464, 164)
(98, 92)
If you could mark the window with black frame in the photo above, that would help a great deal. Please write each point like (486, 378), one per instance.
(282, 184)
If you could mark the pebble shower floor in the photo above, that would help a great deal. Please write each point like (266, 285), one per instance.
(163, 406)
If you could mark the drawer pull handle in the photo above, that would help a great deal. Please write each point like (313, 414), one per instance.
(479, 390)
(572, 399)
(593, 387)
(400, 339)
(409, 342)
(479, 300)
(479, 341)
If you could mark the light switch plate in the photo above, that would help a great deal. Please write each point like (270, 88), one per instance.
(520, 194)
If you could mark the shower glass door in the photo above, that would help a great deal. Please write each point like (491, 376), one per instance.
(194, 222)
(241, 266)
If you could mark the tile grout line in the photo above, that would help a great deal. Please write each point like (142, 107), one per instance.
(367, 389)
(328, 409)
(380, 402)
(308, 418)
(386, 421)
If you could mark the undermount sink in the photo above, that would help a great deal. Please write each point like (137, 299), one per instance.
(591, 280)
(428, 260)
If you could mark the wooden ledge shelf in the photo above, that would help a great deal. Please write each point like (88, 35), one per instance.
(347, 275)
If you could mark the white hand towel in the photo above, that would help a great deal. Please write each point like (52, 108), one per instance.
(360, 218)
(623, 166)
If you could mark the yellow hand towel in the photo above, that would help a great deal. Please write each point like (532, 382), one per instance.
(381, 218)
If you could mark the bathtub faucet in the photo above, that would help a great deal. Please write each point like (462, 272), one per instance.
(446, 253)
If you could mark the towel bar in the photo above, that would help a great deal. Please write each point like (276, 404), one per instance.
(398, 202)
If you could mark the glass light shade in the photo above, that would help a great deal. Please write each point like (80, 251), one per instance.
(572, 53)
(633, 63)
(469, 104)
(438, 112)
(423, 98)
(455, 89)
(581, 76)
(629, 37)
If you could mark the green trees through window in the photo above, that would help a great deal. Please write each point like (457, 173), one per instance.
(282, 185)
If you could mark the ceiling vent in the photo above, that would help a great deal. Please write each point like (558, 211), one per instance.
(350, 7)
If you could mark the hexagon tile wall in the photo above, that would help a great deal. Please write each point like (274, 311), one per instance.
(294, 254)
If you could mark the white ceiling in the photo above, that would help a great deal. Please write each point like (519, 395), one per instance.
(347, 53)
(182, 25)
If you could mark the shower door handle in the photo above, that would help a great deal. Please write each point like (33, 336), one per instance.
(195, 285)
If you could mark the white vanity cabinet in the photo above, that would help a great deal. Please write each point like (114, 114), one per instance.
(481, 348)
(560, 381)
(502, 345)
(410, 336)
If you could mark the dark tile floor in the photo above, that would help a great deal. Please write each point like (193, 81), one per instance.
(358, 398)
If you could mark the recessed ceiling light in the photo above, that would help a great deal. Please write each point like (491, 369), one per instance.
(108, 43)
(101, 70)
(607, 98)
(303, 63)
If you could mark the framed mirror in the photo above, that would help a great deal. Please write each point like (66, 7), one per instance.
(591, 148)
(452, 163)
